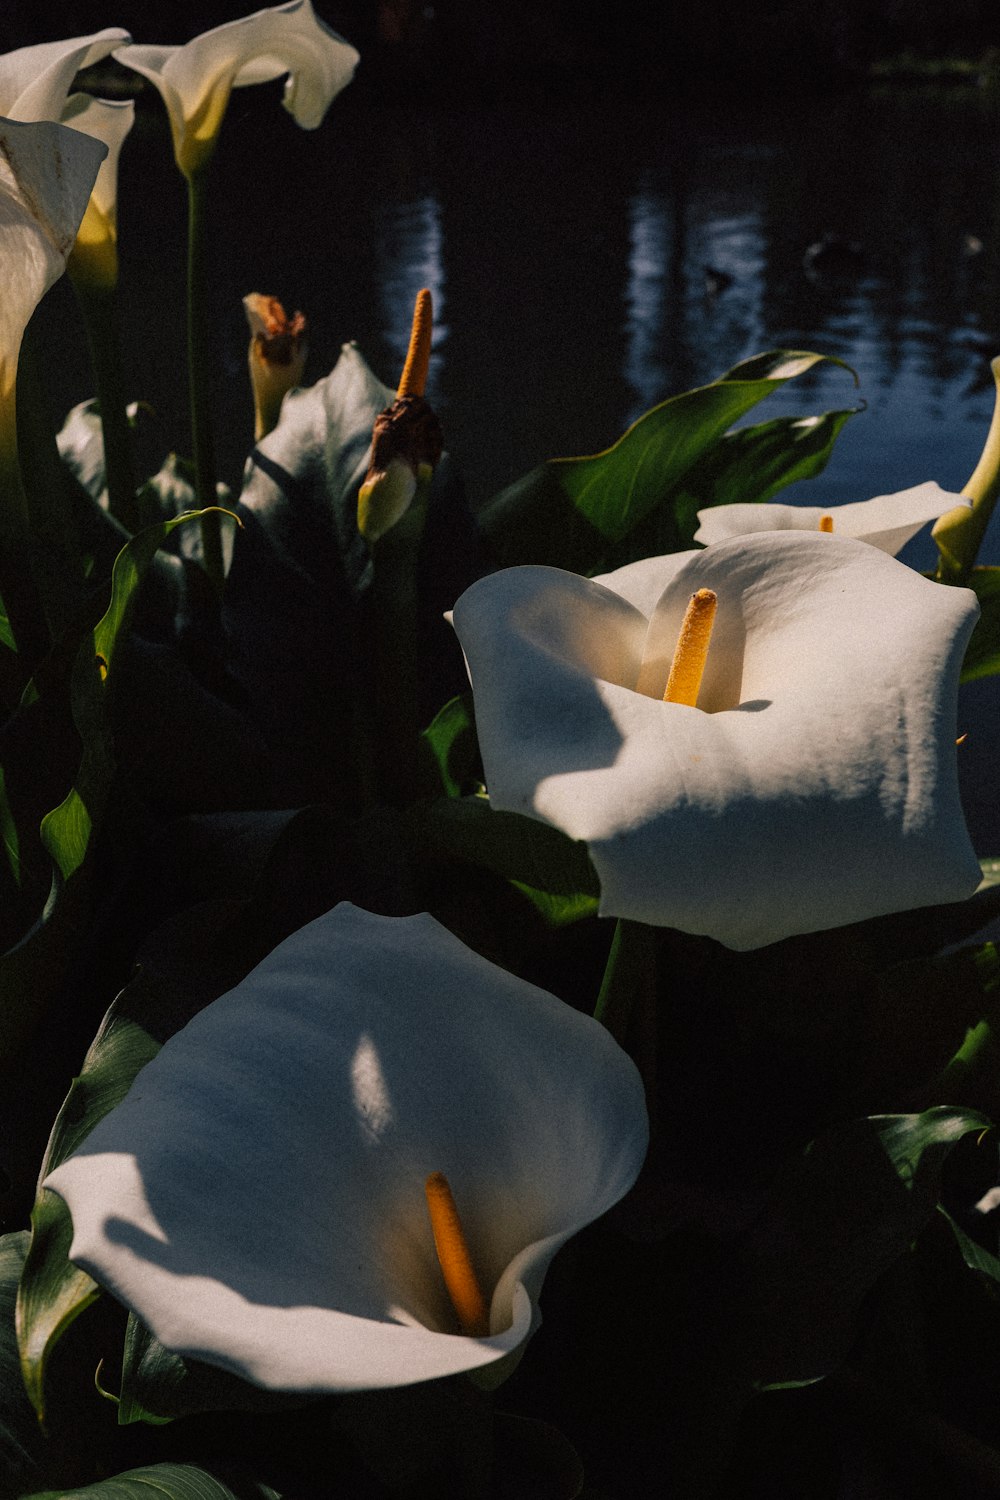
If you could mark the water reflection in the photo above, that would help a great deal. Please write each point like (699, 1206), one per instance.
(644, 365)
(410, 255)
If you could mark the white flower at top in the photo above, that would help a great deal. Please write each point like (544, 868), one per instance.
(259, 1197)
(196, 79)
(815, 782)
(887, 521)
(34, 85)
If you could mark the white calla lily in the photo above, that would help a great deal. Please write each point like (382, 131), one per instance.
(815, 783)
(34, 85)
(196, 79)
(887, 521)
(35, 81)
(95, 254)
(46, 176)
(258, 1198)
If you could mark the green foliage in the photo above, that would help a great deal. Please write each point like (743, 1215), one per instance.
(550, 869)
(834, 1220)
(53, 1292)
(982, 656)
(588, 514)
(32, 969)
(165, 1482)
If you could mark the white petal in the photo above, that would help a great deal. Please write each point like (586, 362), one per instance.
(887, 521)
(819, 788)
(195, 79)
(107, 120)
(46, 176)
(642, 582)
(34, 81)
(258, 1197)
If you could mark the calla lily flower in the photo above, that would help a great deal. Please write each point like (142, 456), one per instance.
(95, 254)
(196, 80)
(259, 1197)
(276, 357)
(34, 85)
(46, 176)
(813, 784)
(35, 81)
(887, 521)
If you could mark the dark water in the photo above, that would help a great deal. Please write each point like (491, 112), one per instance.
(567, 252)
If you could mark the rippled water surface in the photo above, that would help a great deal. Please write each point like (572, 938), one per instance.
(586, 262)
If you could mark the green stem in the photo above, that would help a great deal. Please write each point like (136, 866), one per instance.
(959, 533)
(629, 973)
(200, 378)
(394, 628)
(99, 306)
(20, 595)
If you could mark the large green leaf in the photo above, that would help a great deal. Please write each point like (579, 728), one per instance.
(576, 512)
(20, 1435)
(836, 1218)
(158, 1386)
(52, 1291)
(450, 749)
(752, 463)
(165, 1482)
(467, 829)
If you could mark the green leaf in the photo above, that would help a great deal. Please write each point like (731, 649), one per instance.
(521, 849)
(575, 512)
(165, 1482)
(53, 1292)
(835, 1219)
(20, 1435)
(451, 750)
(158, 1386)
(982, 655)
(31, 971)
(751, 463)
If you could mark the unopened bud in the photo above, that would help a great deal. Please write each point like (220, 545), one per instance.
(277, 357)
(406, 445)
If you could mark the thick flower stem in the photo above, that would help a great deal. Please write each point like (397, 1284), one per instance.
(200, 379)
(630, 972)
(959, 533)
(99, 306)
(394, 600)
(21, 600)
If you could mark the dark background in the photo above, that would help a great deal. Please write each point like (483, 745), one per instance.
(477, 46)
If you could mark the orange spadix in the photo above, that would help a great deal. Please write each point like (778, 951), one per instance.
(413, 380)
(826, 523)
(691, 653)
(453, 1254)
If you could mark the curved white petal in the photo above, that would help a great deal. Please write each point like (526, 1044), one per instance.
(34, 81)
(258, 1197)
(46, 176)
(195, 80)
(887, 521)
(107, 120)
(814, 785)
(642, 582)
